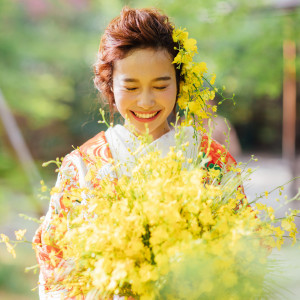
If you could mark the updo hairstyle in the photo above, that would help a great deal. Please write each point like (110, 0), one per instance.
(133, 29)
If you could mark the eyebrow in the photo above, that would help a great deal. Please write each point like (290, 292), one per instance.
(130, 80)
(164, 78)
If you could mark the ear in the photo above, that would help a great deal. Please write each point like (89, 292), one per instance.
(115, 107)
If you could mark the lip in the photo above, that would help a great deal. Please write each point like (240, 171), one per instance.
(148, 112)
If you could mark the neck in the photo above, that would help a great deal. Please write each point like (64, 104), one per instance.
(155, 135)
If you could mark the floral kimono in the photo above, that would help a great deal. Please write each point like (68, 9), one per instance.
(95, 157)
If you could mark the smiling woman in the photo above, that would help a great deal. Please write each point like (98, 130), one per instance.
(144, 87)
(136, 73)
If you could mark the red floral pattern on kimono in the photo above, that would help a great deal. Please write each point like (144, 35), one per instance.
(69, 177)
(215, 153)
(218, 158)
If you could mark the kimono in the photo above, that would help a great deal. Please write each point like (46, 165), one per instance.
(117, 144)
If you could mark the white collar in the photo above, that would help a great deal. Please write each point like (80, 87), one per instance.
(122, 144)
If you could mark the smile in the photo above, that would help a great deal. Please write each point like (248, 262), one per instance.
(145, 117)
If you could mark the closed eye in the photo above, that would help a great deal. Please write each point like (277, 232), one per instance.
(130, 88)
(160, 87)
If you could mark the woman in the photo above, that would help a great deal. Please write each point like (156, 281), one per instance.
(134, 71)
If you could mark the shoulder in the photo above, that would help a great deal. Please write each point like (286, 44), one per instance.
(91, 151)
(217, 153)
(94, 148)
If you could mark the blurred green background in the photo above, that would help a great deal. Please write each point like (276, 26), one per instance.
(47, 49)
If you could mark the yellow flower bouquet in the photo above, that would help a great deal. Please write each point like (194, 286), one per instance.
(175, 229)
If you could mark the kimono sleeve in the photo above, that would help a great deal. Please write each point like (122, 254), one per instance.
(49, 256)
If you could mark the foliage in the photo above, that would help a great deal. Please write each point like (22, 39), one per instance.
(47, 56)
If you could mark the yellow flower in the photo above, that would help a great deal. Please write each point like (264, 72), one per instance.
(199, 68)
(178, 59)
(158, 235)
(179, 34)
(206, 217)
(279, 243)
(20, 234)
(261, 206)
(190, 45)
(193, 107)
(148, 273)
(278, 232)
(270, 211)
(4, 238)
(9, 247)
(119, 271)
(213, 79)
(212, 95)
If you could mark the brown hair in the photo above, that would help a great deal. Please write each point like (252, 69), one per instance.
(134, 28)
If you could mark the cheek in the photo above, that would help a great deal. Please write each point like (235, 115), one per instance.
(122, 102)
(170, 96)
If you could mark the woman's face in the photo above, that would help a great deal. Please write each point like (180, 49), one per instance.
(144, 87)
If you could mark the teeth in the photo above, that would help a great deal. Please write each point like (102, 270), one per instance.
(145, 116)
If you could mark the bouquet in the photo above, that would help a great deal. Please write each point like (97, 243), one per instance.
(175, 229)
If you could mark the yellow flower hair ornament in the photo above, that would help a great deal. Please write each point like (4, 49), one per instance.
(194, 95)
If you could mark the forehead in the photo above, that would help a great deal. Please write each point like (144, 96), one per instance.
(144, 62)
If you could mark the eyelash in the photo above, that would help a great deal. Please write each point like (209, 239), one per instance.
(157, 87)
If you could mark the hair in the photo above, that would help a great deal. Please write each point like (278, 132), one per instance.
(133, 29)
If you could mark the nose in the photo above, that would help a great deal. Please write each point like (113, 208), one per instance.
(146, 100)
